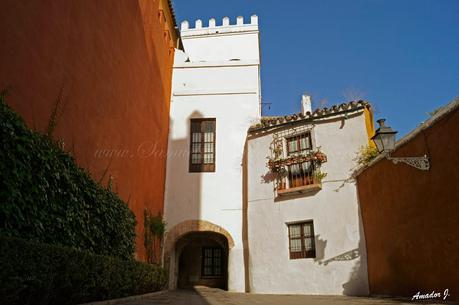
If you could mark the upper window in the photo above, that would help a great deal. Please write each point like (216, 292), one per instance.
(211, 262)
(301, 240)
(299, 144)
(202, 145)
(302, 173)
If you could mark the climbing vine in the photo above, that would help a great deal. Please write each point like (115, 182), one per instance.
(278, 161)
(46, 197)
(154, 227)
(275, 164)
(366, 154)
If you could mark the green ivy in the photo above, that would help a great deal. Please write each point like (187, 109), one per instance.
(34, 274)
(45, 196)
(154, 229)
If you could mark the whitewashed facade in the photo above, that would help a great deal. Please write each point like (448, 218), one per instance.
(338, 265)
(217, 77)
(235, 197)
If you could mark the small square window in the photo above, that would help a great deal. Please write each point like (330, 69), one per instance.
(299, 144)
(301, 240)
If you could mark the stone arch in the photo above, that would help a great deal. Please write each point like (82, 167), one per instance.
(180, 230)
(188, 226)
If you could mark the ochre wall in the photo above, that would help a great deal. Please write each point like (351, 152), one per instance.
(370, 125)
(112, 63)
(411, 217)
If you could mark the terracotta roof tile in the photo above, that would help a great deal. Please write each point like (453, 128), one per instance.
(272, 121)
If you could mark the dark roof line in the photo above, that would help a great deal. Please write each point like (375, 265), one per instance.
(275, 121)
(174, 19)
(439, 115)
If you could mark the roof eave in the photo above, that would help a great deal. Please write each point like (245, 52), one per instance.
(443, 112)
(316, 115)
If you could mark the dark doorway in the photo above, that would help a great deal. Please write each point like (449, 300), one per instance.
(203, 260)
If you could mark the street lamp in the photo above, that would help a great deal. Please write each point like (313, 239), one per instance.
(384, 139)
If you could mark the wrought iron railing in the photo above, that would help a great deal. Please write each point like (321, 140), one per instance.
(299, 174)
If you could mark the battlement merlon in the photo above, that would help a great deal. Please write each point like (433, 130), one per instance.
(226, 27)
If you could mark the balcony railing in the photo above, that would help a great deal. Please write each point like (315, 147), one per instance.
(300, 178)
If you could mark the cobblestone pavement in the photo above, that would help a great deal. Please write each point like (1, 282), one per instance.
(211, 296)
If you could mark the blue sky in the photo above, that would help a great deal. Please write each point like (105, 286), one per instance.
(401, 55)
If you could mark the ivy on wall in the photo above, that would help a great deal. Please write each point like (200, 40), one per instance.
(45, 196)
(154, 228)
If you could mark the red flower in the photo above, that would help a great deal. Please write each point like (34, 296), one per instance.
(320, 156)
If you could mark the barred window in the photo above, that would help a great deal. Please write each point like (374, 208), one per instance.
(299, 144)
(300, 174)
(211, 262)
(202, 145)
(301, 240)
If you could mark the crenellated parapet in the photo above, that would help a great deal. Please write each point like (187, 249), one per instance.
(225, 40)
(224, 27)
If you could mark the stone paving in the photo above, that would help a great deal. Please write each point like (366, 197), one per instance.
(211, 296)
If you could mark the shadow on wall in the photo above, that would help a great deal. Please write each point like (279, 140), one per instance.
(184, 195)
(245, 219)
(269, 177)
(320, 244)
(357, 285)
(346, 256)
(189, 184)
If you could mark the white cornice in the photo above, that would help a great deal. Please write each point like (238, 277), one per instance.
(214, 92)
(217, 64)
(219, 31)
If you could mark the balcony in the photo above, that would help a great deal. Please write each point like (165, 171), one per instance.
(300, 178)
(298, 190)
(297, 171)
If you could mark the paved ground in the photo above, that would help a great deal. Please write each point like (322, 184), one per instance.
(211, 296)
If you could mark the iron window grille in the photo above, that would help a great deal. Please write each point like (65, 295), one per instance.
(302, 173)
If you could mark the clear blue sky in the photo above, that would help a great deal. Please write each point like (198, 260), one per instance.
(401, 55)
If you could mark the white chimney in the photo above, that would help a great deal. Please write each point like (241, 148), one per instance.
(306, 104)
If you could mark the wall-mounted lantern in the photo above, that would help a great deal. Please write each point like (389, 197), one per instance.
(384, 139)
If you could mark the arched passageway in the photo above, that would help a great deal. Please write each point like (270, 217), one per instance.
(182, 244)
(202, 260)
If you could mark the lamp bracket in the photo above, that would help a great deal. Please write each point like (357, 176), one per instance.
(421, 163)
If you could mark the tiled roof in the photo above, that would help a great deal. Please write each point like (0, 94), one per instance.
(274, 121)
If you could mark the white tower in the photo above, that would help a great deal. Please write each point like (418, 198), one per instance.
(215, 98)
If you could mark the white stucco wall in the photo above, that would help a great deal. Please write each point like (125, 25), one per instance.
(222, 43)
(211, 85)
(334, 210)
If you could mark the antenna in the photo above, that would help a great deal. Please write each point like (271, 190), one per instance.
(266, 104)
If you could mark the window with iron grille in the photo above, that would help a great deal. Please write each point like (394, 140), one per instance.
(300, 174)
(212, 262)
(202, 145)
(301, 240)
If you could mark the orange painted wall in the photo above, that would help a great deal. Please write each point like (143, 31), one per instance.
(112, 61)
(411, 217)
